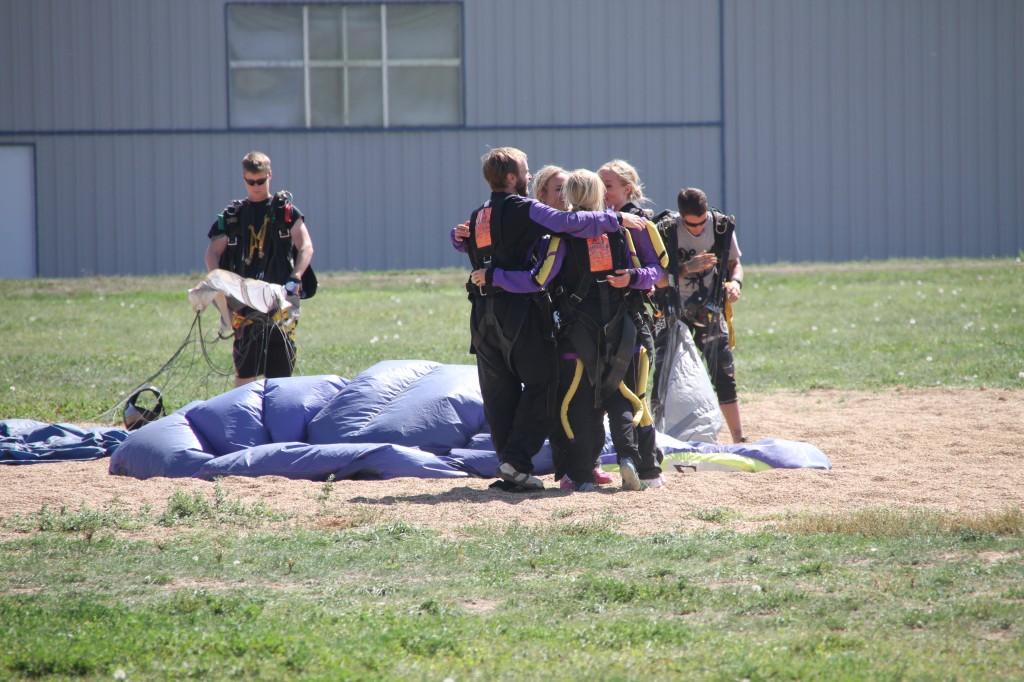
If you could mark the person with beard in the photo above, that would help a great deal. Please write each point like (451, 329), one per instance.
(593, 281)
(512, 332)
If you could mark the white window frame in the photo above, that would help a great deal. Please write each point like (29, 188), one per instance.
(307, 64)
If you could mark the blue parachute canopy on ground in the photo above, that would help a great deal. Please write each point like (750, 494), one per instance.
(398, 418)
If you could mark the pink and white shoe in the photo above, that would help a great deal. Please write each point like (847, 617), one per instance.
(566, 483)
(653, 483)
(601, 477)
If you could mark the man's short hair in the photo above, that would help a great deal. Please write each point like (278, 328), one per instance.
(255, 163)
(692, 201)
(498, 163)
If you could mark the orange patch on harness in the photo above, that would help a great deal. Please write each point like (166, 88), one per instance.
(482, 232)
(600, 253)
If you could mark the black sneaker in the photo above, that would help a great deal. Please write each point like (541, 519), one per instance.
(509, 473)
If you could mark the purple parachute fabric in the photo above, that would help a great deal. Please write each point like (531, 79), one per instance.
(25, 441)
(399, 418)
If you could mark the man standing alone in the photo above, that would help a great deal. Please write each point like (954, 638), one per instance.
(261, 237)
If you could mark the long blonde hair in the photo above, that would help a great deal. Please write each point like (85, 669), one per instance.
(584, 191)
(624, 171)
(542, 177)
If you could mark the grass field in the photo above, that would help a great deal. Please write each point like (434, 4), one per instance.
(72, 349)
(212, 587)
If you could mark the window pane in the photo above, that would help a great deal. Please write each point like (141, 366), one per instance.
(363, 32)
(325, 32)
(365, 98)
(423, 95)
(270, 98)
(327, 97)
(264, 32)
(423, 31)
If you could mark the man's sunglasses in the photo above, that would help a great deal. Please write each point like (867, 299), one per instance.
(253, 183)
(695, 225)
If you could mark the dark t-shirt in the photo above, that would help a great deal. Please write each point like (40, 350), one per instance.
(245, 256)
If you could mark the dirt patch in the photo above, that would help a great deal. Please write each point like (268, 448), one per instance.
(940, 449)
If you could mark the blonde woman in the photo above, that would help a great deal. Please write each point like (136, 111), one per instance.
(547, 186)
(598, 370)
(624, 192)
(510, 331)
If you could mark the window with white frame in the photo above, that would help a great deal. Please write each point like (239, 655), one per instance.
(354, 65)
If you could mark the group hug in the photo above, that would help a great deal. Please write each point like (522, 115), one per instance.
(574, 295)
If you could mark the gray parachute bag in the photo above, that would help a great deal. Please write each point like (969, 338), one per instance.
(689, 409)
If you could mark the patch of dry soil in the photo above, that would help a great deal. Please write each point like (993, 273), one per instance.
(957, 450)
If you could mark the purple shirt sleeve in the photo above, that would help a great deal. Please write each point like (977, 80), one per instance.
(585, 224)
(515, 281)
(458, 245)
(650, 270)
(536, 279)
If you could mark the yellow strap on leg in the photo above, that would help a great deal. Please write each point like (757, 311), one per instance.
(564, 412)
(728, 323)
(641, 385)
(638, 405)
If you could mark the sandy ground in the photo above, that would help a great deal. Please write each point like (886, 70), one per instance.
(940, 449)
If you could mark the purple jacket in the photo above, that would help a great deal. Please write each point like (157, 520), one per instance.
(551, 252)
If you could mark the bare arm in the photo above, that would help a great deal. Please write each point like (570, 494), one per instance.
(214, 251)
(304, 245)
(735, 283)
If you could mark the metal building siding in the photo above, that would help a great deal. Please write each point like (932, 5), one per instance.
(142, 203)
(867, 129)
(585, 62)
(849, 129)
(103, 65)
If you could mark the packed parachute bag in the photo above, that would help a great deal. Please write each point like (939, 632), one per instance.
(688, 410)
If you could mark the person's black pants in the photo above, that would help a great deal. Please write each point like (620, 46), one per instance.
(518, 371)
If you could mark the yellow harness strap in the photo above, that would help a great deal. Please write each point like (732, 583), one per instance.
(638, 405)
(656, 242)
(256, 239)
(728, 323)
(549, 260)
(659, 244)
(564, 412)
(641, 410)
(641, 384)
(632, 250)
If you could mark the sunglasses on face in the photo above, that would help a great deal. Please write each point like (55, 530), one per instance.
(261, 181)
(694, 225)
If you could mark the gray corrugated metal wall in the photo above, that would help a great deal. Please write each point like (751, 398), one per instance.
(848, 129)
(374, 200)
(870, 129)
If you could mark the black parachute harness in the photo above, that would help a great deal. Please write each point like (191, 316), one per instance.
(707, 306)
(270, 246)
(604, 351)
(485, 240)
